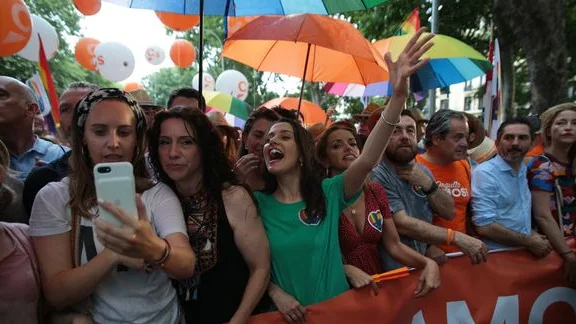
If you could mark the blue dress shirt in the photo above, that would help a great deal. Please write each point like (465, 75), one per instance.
(42, 149)
(501, 196)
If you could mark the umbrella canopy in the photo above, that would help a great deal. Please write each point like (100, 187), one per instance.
(307, 45)
(312, 112)
(226, 104)
(251, 7)
(451, 62)
(231, 120)
(245, 8)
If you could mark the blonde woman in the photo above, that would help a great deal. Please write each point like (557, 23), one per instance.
(115, 275)
(551, 181)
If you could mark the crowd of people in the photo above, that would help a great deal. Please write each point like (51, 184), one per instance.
(273, 217)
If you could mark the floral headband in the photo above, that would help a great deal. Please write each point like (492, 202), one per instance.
(89, 101)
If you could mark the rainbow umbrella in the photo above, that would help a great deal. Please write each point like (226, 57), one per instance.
(230, 119)
(451, 62)
(227, 104)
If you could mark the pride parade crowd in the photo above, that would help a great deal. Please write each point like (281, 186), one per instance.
(276, 219)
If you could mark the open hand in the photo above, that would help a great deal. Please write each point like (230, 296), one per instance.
(409, 61)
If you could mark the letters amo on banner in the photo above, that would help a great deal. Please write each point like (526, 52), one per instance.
(512, 287)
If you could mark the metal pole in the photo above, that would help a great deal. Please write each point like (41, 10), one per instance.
(201, 50)
(434, 29)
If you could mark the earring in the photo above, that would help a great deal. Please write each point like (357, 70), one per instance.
(301, 163)
(327, 172)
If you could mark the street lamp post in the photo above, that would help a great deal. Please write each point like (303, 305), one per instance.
(434, 23)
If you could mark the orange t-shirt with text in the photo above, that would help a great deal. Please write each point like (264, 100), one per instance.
(454, 179)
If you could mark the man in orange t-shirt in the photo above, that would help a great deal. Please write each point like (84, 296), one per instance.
(446, 145)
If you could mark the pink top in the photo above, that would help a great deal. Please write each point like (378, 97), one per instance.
(19, 276)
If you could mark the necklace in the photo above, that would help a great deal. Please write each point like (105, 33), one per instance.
(353, 211)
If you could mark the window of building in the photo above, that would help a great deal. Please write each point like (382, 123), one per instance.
(468, 85)
(467, 103)
(444, 104)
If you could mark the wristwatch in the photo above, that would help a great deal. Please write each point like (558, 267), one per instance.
(432, 189)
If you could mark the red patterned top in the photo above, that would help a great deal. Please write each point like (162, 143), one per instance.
(361, 249)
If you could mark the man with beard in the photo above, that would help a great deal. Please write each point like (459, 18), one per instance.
(501, 199)
(413, 196)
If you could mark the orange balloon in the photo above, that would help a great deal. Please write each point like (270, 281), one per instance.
(84, 52)
(15, 26)
(178, 22)
(132, 86)
(88, 7)
(182, 53)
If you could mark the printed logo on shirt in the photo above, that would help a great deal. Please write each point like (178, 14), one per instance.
(454, 189)
(309, 221)
(376, 220)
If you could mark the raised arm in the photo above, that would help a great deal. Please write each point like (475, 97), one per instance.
(407, 64)
(252, 242)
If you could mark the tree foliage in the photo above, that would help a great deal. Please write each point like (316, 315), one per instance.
(160, 84)
(65, 70)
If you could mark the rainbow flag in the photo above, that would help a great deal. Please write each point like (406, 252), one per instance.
(411, 24)
(53, 119)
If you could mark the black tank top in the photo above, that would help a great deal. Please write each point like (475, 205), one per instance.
(221, 288)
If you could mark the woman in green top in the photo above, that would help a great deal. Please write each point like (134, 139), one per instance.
(300, 211)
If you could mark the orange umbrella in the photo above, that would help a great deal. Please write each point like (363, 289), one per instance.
(313, 47)
(312, 112)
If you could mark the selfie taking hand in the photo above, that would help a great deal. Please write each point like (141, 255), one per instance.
(135, 239)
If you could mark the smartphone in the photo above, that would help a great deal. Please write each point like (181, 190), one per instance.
(115, 183)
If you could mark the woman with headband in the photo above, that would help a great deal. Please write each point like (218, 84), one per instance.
(106, 272)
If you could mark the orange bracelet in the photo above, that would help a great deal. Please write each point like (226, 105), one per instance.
(453, 237)
(448, 235)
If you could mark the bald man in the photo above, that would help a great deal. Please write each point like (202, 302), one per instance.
(18, 106)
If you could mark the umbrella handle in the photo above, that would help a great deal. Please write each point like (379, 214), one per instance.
(303, 79)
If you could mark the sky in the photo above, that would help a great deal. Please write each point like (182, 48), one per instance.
(138, 29)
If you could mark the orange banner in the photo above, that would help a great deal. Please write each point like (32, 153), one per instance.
(512, 287)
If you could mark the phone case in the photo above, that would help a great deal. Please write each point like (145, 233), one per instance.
(115, 183)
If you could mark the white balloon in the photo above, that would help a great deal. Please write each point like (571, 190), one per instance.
(155, 55)
(233, 83)
(49, 39)
(114, 61)
(207, 83)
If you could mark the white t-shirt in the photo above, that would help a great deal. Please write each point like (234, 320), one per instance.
(124, 296)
